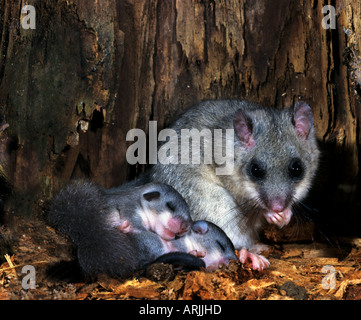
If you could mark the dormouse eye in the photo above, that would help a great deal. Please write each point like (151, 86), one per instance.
(221, 245)
(256, 171)
(295, 169)
(170, 206)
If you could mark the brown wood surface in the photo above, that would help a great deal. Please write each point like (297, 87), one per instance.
(91, 70)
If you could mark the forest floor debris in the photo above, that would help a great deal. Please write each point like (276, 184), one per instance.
(298, 271)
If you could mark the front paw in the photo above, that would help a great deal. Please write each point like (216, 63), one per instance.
(259, 262)
(196, 253)
(280, 219)
(125, 227)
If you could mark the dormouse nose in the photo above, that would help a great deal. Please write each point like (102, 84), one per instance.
(277, 204)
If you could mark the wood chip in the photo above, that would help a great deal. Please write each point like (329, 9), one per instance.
(11, 265)
(146, 292)
(291, 253)
(208, 286)
(255, 284)
(343, 287)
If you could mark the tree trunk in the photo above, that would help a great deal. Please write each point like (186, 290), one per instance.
(92, 70)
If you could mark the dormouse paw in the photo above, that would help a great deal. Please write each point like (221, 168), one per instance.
(280, 219)
(125, 227)
(259, 262)
(199, 254)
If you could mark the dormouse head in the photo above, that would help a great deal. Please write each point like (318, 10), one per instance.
(210, 243)
(279, 157)
(164, 211)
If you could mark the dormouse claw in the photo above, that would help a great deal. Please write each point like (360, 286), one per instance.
(199, 254)
(259, 262)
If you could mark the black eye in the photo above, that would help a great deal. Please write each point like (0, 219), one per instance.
(170, 206)
(256, 172)
(221, 246)
(295, 169)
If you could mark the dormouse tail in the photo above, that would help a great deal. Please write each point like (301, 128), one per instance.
(75, 208)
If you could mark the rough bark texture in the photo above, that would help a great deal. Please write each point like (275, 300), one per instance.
(92, 70)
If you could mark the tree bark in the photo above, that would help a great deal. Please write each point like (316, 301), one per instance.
(92, 70)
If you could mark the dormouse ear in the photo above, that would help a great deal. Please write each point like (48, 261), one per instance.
(243, 128)
(200, 227)
(302, 119)
(153, 195)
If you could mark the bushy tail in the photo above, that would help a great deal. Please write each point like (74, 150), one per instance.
(79, 211)
(76, 209)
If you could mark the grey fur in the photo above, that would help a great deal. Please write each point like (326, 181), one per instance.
(81, 211)
(232, 200)
(128, 199)
(90, 216)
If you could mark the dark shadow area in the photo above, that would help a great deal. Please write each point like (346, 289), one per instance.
(333, 202)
